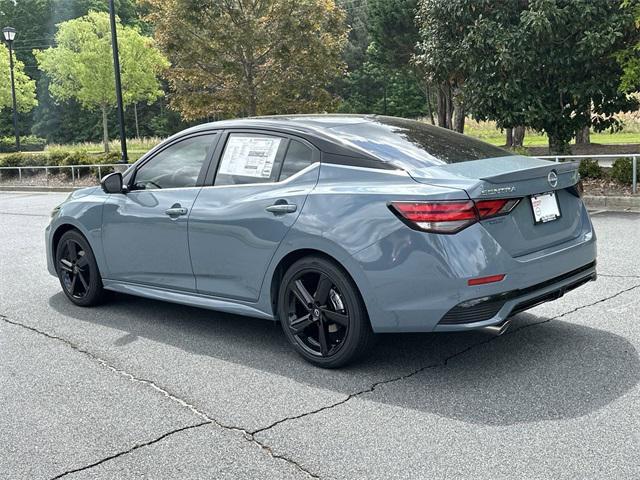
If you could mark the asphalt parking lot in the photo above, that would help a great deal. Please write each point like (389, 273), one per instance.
(143, 389)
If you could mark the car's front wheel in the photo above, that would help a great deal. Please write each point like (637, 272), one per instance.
(77, 270)
(322, 313)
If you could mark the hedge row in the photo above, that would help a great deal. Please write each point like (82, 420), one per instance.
(29, 143)
(55, 158)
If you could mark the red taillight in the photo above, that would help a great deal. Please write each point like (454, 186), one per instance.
(451, 216)
(491, 208)
(444, 217)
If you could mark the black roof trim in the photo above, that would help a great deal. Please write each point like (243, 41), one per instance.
(365, 162)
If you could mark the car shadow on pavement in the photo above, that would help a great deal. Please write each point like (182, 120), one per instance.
(555, 370)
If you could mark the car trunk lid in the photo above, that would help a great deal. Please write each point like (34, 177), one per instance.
(516, 177)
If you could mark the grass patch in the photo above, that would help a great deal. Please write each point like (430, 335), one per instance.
(488, 132)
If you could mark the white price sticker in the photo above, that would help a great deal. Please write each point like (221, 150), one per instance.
(249, 156)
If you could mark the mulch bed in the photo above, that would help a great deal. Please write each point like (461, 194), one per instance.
(606, 186)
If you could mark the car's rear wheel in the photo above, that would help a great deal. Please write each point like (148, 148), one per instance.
(77, 270)
(322, 313)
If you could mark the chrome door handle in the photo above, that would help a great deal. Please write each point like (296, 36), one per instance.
(282, 208)
(176, 211)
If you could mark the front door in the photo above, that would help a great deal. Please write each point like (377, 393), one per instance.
(236, 225)
(144, 232)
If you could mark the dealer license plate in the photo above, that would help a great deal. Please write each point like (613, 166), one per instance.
(545, 207)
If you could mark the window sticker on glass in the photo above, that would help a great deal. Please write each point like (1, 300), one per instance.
(249, 156)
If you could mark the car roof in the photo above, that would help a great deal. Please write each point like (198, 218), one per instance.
(307, 122)
(315, 128)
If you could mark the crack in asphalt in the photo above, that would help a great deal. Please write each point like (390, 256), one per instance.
(250, 436)
(247, 435)
(132, 449)
(442, 363)
(610, 275)
(24, 214)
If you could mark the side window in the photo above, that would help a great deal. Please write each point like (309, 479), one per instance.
(177, 166)
(250, 158)
(298, 157)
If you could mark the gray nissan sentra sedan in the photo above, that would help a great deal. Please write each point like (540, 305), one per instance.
(336, 226)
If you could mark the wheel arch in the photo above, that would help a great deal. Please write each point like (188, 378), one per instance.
(67, 224)
(294, 255)
(60, 231)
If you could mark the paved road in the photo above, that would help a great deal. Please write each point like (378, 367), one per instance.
(143, 389)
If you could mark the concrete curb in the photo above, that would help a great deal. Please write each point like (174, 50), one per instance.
(605, 202)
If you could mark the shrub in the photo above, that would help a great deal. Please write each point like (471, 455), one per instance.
(77, 158)
(589, 168)
(56, 157)
(622, 170)
(20, 160)
(34, 159)
(29, 143)
(11, 160)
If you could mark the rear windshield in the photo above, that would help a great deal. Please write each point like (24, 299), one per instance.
(410, 144)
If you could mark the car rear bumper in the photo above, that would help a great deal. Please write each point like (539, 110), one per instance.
(495, 309)
(417, 282)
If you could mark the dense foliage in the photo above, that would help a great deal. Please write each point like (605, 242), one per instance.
(80, 66)
(380, 77)
(247, 57)
(25, 87)
(28, 143)
(483, 50)
(556, 66)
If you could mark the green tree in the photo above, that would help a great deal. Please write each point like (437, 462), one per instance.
(441, 53)
(80, 67)
(546, 64)
(356, 15)
(376, 87)
(25, 87)
(248, 57)
(394, 31)
(569, 81)
(393, 28)
(35, 22)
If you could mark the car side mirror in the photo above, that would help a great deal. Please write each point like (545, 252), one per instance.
(112, 183)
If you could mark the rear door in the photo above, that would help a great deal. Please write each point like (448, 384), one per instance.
(260, 184)
(144, 232)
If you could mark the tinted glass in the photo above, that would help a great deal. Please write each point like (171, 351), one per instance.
(177, 166)
(298, 157)
(250, 158)
(411, 144)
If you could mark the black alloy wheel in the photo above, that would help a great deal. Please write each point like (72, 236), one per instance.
(322, 313)
(77, 270)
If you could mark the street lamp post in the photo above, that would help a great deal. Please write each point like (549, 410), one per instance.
(9, 34)
(116, 68)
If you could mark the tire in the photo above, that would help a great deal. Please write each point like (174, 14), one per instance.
(78, 271)
(316, 298)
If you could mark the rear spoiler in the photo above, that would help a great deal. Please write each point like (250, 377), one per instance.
(535, 172)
